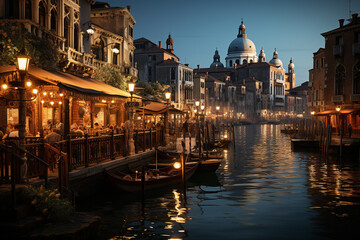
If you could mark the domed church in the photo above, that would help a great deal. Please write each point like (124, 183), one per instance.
(241, 50)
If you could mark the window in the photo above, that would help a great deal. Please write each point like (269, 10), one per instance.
(322, 62)
(53, 22)
(131, 31)
(131, 59)
(28, 9)
(356, 80)
(339, 40)
(357, 37)
(154, 57)
(202, 96)
(149, 58)
(202, 84)
(244, 62)
(115, 60)
(317, 63)
(76, 37)
(172, 77)
(149, 72)
(42, 13)
(230, 63)
(12, 9)
(66, 31)
(237, 61)
(339, 80)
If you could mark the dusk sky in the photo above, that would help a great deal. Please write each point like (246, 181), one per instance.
(198, 27)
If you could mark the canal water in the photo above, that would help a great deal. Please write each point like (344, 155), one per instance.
(262, 190)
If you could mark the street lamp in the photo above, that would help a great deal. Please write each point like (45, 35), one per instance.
(131, 88)
(167, 135)
(313, 113)
(23, 67)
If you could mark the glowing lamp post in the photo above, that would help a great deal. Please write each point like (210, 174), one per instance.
(23, 67)
(131, 88)
(167, 135)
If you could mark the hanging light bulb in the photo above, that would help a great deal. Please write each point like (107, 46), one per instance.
(60, 102)
(28, 83)
(35, 91)
(4, 86)
(104, 101)
(61, 94)
(51, 103)
(42, 101)
(44, 93)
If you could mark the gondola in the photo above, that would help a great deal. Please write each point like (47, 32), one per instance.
(162, 177)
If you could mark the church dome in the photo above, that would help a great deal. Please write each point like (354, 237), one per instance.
(216, 62)
(275, 60)
(242, 44)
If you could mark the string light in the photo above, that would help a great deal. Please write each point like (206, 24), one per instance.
(60, 102)
(35, 91)
(42, 101)
(112, 101)
(4, 86)
(104, 101)
(51, 103)
(28, 83)
(44, 93)
(61, 94)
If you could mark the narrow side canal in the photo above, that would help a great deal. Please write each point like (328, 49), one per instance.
(263, 190)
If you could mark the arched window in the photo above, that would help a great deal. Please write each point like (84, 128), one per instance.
(356, 80)
(244, 61)
(28, 9)
(230, 63)
(237, 61)
(339, 80)
(98, 50)
(76, 37)
(67, 31)
(53, 19)
(42, 14)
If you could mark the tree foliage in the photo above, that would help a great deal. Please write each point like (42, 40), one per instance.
(14, 37)
(111, 76)
(153, 90)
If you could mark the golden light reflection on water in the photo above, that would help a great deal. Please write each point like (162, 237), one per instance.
(179, 215)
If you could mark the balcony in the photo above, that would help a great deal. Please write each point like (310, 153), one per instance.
(355, 98)
(356, 48)
(337, 98)
(338, 50)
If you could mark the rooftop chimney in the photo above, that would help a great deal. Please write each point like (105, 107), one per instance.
(341, 22)
(198, 66)
(354, 17)
(128, 7)
(160, 44)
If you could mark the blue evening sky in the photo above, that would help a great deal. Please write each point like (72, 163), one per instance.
(198, 27)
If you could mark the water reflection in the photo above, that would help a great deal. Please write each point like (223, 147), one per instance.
(262, 190)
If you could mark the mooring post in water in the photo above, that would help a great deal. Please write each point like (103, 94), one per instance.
(233, 132)
(327, 139)
(341, 138)
(183, 168)
(143, 184)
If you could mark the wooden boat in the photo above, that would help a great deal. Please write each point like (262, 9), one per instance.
(211, 155)
(208, 165)
(164, 177)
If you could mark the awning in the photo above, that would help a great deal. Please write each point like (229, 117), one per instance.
(342, 111)
(158, 108)
(349, 111)
(83, 85)
(324, 113)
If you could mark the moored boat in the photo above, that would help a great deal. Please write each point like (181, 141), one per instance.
(163, 177)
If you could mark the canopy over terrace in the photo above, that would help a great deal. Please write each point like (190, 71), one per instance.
(74, 94)
(152, 113)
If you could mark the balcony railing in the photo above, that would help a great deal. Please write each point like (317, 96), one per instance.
(355, 98)
(356, 48)
(338, 50)
(337, 98)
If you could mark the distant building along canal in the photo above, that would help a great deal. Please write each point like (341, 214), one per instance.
(263, 191)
